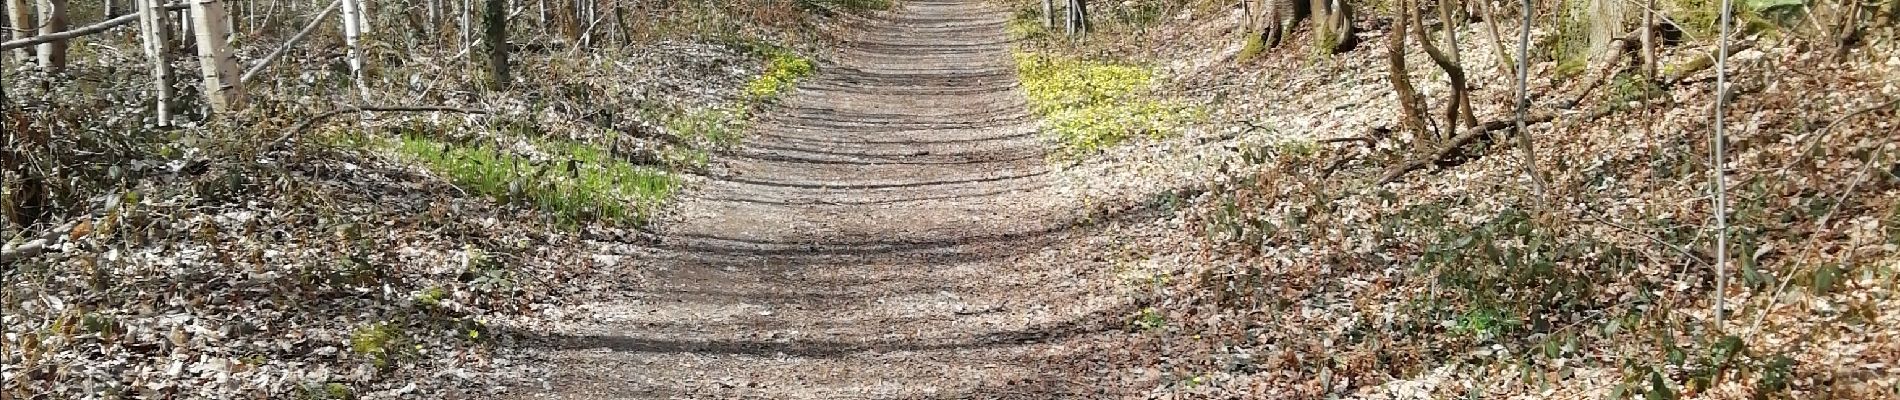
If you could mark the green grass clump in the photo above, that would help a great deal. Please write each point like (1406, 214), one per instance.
(581, 183)
(1090, 106)
(382, 342)
(783, 69)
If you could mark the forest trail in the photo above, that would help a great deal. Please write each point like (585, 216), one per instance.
(868, 240)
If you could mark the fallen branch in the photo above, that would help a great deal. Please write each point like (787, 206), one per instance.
(265, 62)
(29, 248)
(1624, 47)
(1701, 62)
(1815, 141)
(1457, 144)
(319, 118)
(82, 31)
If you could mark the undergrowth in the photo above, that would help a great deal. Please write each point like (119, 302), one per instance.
(576, 183)
(1089, 106)
(783, 69)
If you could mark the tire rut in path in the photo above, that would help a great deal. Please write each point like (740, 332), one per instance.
(869, 242)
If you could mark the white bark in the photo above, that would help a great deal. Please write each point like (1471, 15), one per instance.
(53, 20)
(1049, 14)
(20, 24)
(468, 7)
(352, 30)
(152, 34)
(220, 68)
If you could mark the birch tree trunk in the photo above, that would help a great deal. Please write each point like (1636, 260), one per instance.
(52, 20)
(468, 36)
(152, 33)
(1078, 17)
(352, 29)
(20, 23)
(220, 68)
(1048, 14)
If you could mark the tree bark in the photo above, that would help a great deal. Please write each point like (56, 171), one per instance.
(1649, 40)
(1048, 14)
(352, 31)
(220, 69)
(1523, 107)
(497, 38)
(20, 24)
(53, 20)
(1409, 119)
(1458, 111)
(152, 32)
(1078, 23)
(1506, 64)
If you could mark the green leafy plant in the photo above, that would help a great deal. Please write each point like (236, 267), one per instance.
(1150, 319)
(432, 296)
(1090, 106)
(381, 341)
(783, 69)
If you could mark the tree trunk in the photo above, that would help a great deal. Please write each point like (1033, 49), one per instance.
(20, 24)
(1505, 62)
(468, 23)
(352, 30)
(152, 33)
(1459, 111)
(1048, 14)
(1649, 40)
(497, 38)
(52, 20)
(1078, 17)
(1409, 119)
(620, 24)
(220, 68)
(1524, 105)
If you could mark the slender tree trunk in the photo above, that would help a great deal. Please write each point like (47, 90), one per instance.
(20, 24)
(1649, 40)
(352, 30)
(1505, 66)
(1048, 14)
(152, 32)
(1409, 118)
(1452, 62)
(497, 38)
(468, 23)
(1524, 142)
(435, 20)
(53, 20)
(1078, 17)
(620, 24)
(220, 68)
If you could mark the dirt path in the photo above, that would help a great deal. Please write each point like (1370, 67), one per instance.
(885, 233)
